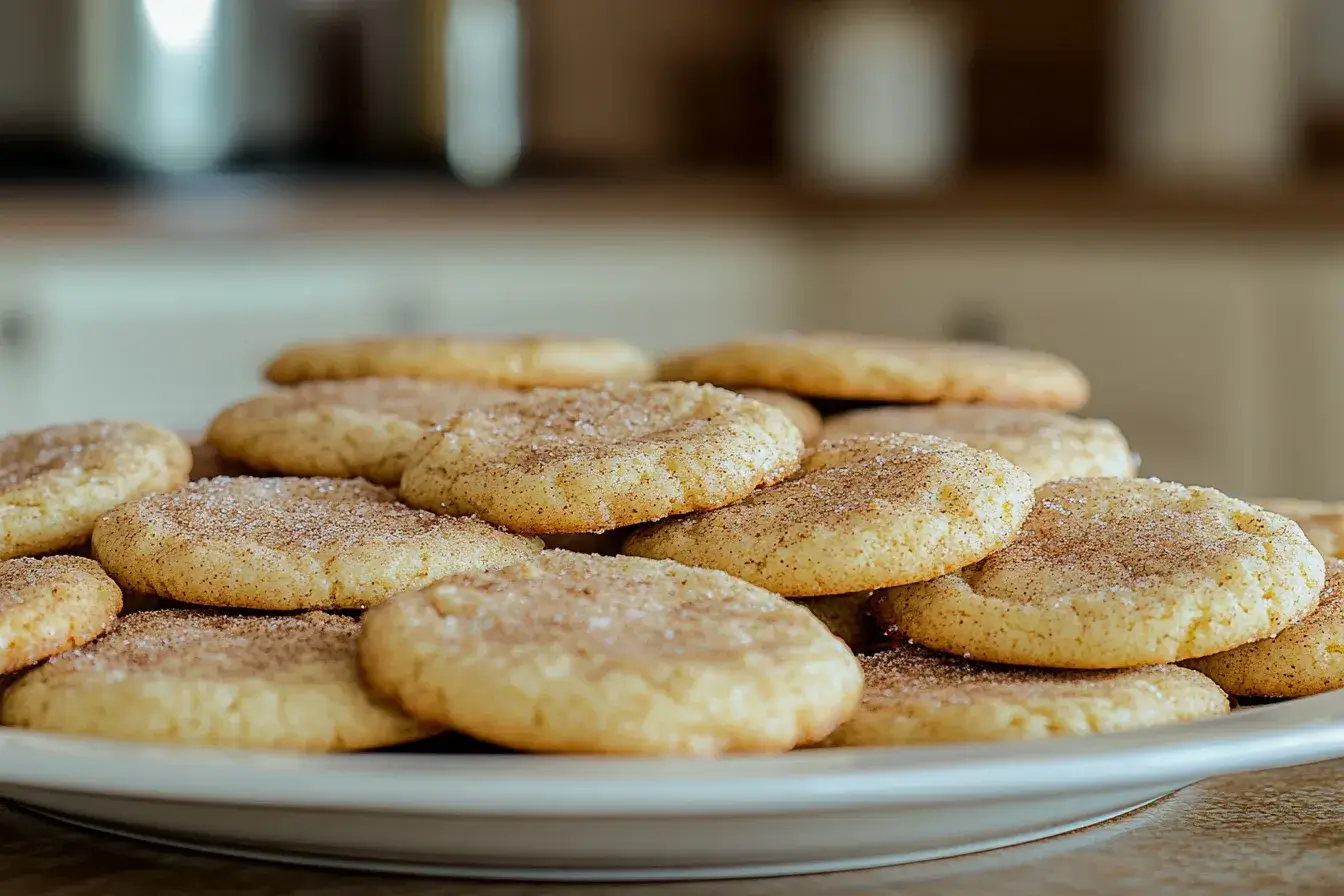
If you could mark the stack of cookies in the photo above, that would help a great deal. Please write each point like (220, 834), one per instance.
(557, 545)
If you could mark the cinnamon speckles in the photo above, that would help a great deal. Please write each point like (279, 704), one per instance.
(1108, 573)
(51, 604)
(863, 512)
(290, 543)
(56, 482)
(579, 653)
(912, 695)
(590, 460)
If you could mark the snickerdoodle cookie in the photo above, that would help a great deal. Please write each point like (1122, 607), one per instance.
(882, 368)
(559, 362)
(56, 482)
(590, 460)
(912, 695)
(1303, 659)
(1322, 521)
(864, 512)
(49, 605)
(1109, 573)
(1047, 444)
(576, 653)
(799, 412)
(290, 544)
(342, 428)
(215, 680)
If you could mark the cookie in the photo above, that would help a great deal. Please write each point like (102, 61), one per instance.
(342, 428)
(1304, 659)
(591, 460)
(864, 512)
(215, 680)
(1322, 521)
(847, 616)
(560, 362)
(1111, 573)
(577, 653)
(799, 412)
(882, 368)
(290, 544)
(56, 482)
(1048, 445)
(915, 696)
(51, 604)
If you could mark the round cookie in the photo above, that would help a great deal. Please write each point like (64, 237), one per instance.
(591, 460)
(915, 696)
(1110, 573)
(882, 368)
(800, 413)
(864, 512)
(847, 616)
(1322, 521)
(1304, 659)
(56, 482)
(49, 605)
(290, 544)
(342, 428)
(215, 680)
(1046, 444)
(560, 362)
(577, 653)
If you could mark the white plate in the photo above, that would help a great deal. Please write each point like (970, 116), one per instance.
(595, 818)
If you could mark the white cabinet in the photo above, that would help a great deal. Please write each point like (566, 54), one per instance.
(171, 339)
(1173, 337)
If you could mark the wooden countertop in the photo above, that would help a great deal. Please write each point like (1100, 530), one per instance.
(1273, 832)
(255, 206)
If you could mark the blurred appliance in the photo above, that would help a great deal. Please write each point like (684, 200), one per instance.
(1208, 91)
(874, 93)
(176, 86)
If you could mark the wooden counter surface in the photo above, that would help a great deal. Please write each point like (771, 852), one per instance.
(1273, 832)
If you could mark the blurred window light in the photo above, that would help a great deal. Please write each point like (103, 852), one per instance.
(180, 26)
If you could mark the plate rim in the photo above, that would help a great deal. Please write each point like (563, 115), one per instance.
(1295, 732)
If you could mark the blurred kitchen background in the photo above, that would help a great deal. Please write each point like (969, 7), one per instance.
(1150, 187)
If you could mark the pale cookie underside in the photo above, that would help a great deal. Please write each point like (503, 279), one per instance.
(522, 362)
(1046, 444)
(286, 682)
(290, 544)
(577, 653)
(342, 428)
(1110, 573)
(913, 696)
(864, 512)
(1304, 659)
(51, 604)
(592, 460)
(877, 368)
(56, 482)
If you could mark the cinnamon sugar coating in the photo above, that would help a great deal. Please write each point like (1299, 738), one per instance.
(580, 653)
(1109, 573)
(213, 679)
(883, 368)
(591, 460)
(1322, 521)
(56, 482)
(520, 361)
(51, 604)
(1046, 444)
(800, 413)
(342, 428)
(864, 512)
(1304, 659)
(290, 544)
(912, 695)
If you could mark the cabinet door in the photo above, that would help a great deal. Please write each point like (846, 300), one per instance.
(1172, 337)
(173, 341)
